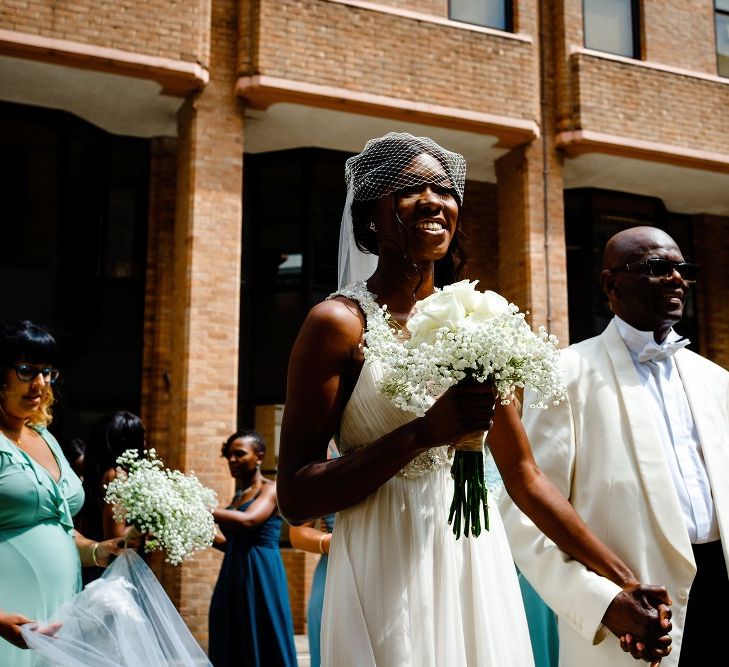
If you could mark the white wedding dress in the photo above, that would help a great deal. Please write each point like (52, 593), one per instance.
(400, 589)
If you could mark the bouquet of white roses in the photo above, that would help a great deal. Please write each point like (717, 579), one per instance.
(457, 334)
(172, 507)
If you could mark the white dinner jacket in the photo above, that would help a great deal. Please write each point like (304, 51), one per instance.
(602, 450)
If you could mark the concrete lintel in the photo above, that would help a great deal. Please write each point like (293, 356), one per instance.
(579, 142)
(177, 77)
(262, 91)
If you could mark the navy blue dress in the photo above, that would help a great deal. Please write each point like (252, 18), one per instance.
(250, 616)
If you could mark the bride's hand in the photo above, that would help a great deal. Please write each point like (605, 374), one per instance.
(463, 410)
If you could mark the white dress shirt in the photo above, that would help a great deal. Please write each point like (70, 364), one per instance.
(675, 423)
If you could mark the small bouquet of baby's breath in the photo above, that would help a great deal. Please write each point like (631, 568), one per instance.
(173, 508)
(460, 334)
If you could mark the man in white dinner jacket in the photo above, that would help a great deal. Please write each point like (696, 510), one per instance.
(641, 449)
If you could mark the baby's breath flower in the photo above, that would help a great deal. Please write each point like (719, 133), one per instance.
(459, 333)
(174, 508)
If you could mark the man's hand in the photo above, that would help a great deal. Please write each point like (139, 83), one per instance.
(640, 616)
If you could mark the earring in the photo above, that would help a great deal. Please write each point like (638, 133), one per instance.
(372, 226)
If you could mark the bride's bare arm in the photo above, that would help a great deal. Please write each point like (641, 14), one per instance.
(324, 364)
(534, 493)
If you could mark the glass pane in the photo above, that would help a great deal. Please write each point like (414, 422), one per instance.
(722, 43)
(489, 13)
(723, 5)
(609, 26)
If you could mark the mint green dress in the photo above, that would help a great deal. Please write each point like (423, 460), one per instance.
(38, 557)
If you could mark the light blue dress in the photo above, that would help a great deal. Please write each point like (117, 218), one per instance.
(316, 602)
(40, 564)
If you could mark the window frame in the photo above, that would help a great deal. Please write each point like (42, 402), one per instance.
(635, 26)
(719, 12)
(508, 17)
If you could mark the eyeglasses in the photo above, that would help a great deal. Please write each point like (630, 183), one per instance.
(28, 373)
(662, 268)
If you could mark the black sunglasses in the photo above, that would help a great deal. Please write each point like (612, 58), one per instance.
(661, 268)
(28, 373)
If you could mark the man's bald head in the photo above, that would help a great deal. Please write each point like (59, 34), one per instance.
(646, 302)
(632, 244)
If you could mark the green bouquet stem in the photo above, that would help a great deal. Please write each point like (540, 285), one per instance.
(469, 493)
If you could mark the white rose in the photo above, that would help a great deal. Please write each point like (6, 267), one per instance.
(490, 304)
(465, 293)
(441, 309)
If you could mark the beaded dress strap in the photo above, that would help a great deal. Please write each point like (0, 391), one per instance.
(358, 292)
(377, 332)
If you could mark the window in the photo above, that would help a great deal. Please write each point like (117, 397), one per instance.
(612, 26)
(74, 203)
(488, 13)
(722, 37)
(292, 211)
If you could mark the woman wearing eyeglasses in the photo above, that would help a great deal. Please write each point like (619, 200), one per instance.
(40, 552)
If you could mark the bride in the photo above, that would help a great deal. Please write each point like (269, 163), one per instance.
(401, 590)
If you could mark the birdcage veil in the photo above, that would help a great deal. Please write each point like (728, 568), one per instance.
(380, 169)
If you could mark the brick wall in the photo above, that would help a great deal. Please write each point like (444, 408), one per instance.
(480, 223)
(433, 7)
(532, 269)
(363, 50)
(632, 101)
(204, 310)
(624, 98)
(680, 33)
(172, 30)
(157, 354)
(676, 33)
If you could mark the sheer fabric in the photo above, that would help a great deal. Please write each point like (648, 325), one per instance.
(123, 619)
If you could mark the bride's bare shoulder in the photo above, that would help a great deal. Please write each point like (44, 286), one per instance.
(336, 319)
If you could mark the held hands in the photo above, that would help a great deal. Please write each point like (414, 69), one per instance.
(640, 616)
(464, 409)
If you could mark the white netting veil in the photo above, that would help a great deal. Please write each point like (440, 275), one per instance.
(384, 166)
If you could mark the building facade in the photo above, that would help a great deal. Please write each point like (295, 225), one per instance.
(172, 179)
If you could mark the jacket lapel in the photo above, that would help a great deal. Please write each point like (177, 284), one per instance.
(652, 468)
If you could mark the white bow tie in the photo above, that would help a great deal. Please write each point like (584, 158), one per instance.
(655, 352)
